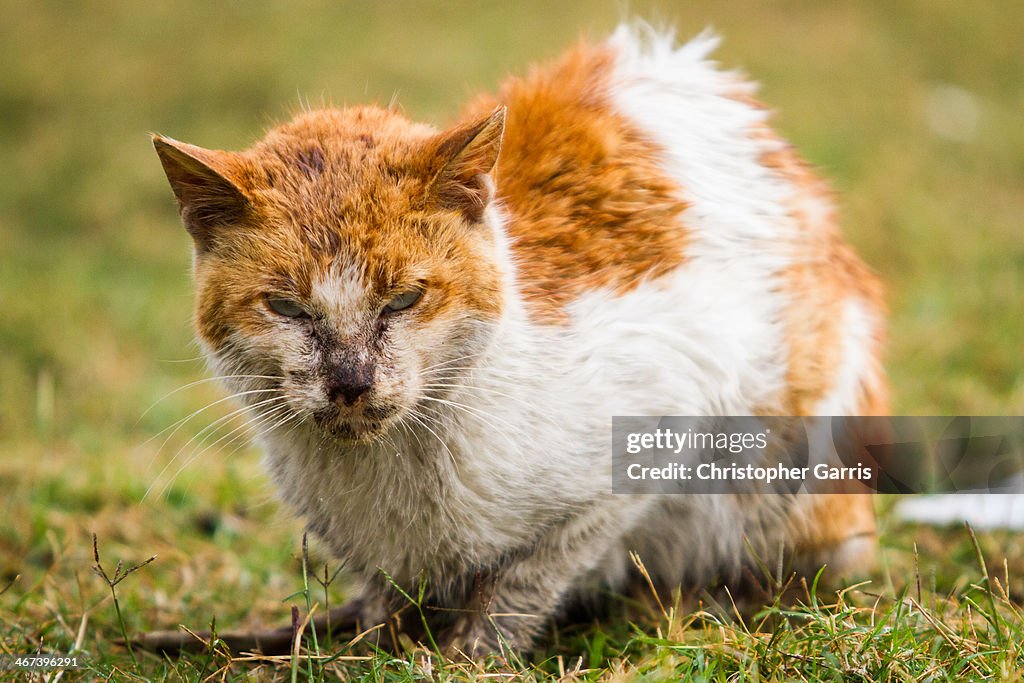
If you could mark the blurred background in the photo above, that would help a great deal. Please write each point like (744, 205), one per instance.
(912, 109)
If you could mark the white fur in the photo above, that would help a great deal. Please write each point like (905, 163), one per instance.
(856, 367)
(341, 295)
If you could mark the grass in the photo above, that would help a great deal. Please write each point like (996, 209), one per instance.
(911, 108)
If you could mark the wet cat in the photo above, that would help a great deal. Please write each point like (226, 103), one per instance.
(434, 328)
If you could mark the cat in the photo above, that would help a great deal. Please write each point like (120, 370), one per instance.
(433, 329)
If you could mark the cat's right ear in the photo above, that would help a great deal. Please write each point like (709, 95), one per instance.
(208, 199)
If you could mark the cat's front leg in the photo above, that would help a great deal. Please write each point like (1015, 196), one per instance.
(510, 605)
(508, 614)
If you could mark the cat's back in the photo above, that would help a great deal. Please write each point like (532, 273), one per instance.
(642, 184)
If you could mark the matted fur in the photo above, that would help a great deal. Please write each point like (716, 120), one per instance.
(617, 233)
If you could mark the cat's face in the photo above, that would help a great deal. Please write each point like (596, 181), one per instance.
(344, 264)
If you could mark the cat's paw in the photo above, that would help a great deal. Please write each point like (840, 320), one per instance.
(475, 636)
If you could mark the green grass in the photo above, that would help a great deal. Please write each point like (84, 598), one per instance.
(96, 302)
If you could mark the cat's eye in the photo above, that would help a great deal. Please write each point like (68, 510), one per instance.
(286, 307)
(403, 301)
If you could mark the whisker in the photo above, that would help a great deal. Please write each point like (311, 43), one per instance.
(248, 424)
(282, 415)
(487, 374)
(451, 360)
(301, 419)
(198, 382)
(422, 421)
(205, 430)
(473, 387)
(479, 414)
(265, 431)
(410, 431)
(179, 423)
(495, 432)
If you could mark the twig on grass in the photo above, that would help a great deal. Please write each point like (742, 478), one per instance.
(120, 574)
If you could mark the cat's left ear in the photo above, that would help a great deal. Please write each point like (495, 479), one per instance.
(468, 154)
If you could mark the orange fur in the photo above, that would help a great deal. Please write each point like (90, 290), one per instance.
(589, 205)
(826, 273)
(357, 181)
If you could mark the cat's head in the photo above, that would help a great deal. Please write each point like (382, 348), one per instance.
(345, 263)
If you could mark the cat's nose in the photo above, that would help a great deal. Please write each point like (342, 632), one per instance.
(348, 382)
